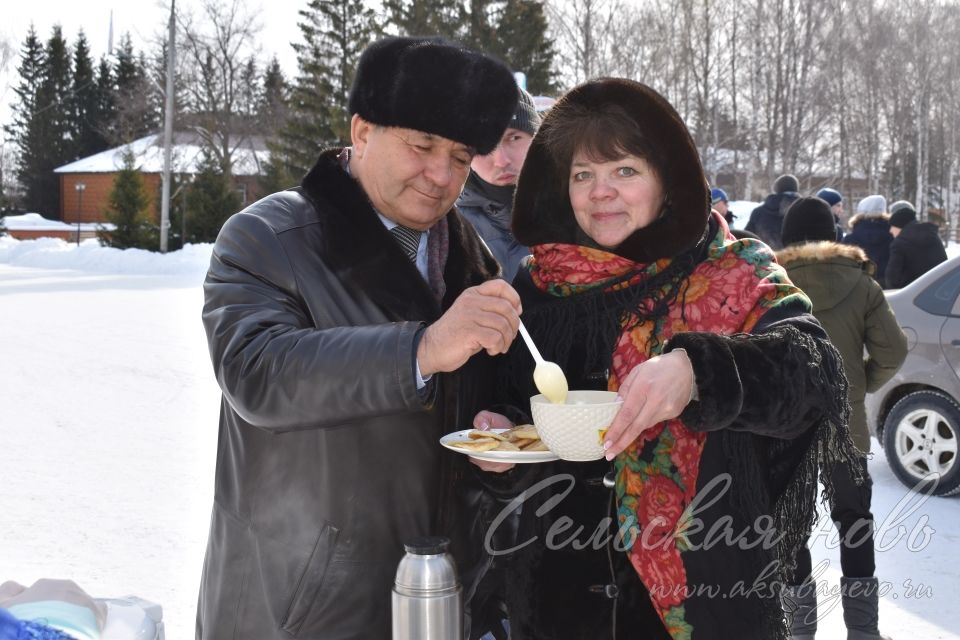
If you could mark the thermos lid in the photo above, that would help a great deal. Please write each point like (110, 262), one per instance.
(427, 545)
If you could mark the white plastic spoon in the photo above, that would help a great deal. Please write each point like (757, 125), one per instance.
(548, 376)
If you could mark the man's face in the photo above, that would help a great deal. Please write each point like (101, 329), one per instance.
(410, 176)
(838, 210)
(502, 165)
(721, 207)
(895, 231)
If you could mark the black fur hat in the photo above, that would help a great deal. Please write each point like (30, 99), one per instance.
(808, 220)
(542, 211)
(436, 86)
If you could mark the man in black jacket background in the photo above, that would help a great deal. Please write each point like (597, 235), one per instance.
(345, 320)
(487, 198)
(916, 247)
(767, 219)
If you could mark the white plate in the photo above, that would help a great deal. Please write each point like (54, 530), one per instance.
(496, 456)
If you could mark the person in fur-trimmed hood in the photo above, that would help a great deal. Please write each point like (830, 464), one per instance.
(870, 230)
(850, 305)
(349, 322)
(729, 388)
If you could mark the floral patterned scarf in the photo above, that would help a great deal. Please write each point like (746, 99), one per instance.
(725, 293)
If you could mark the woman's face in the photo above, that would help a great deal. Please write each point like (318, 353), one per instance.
(613, 198)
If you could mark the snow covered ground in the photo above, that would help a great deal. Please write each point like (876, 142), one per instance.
(108, 409)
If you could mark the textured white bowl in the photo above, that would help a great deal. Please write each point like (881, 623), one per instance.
(573, 430)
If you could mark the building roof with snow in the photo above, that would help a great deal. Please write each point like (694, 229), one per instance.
(248, 156)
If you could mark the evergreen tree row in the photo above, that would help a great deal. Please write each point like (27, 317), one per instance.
(67, 109)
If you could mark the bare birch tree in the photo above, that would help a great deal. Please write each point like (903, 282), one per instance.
(220, 50)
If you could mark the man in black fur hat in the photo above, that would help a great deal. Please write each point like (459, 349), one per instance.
(347, 321)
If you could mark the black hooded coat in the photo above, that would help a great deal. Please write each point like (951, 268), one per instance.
(763, 399)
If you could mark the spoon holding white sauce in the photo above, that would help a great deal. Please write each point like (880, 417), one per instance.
(548, 376)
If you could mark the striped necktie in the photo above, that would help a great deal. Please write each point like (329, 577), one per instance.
(408, 239)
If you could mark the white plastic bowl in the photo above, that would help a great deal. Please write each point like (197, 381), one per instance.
(574, 430)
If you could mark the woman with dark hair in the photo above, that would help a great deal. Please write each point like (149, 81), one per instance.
(731, 391)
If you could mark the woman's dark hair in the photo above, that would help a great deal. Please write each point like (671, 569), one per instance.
(604, 132)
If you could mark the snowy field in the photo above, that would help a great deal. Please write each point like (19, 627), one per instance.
(108, 409)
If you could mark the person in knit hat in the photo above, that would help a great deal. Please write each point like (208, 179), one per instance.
(487, 198)
(721, 204)
(833, 198)
(851, 306)
(915, 249)
(870, 230)
(351, 322)
(767, 219)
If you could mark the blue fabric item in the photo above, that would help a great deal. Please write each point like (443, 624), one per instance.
(78, 620)
(717, 195)
(832, 196)
(13, 629)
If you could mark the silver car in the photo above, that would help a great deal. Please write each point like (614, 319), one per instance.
(916, 415)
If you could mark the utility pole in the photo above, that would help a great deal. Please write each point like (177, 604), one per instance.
(167, 133)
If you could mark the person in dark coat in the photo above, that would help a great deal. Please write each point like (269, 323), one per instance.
(916, 247)
(850, 305)
(635, 286)
(766, 220)
(487, 198)
(870, 230)
(835, 199)
(349, 322)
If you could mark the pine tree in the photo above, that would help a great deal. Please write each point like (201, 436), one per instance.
(42, 126)
(272, 111)
(335, 32)
(128, 210)
(210, 200)
(272, 102)
(25, 131)
(85, 103)
(104, 115)
(521, 41)
(481, 33)
(444, 18)
(134, 96)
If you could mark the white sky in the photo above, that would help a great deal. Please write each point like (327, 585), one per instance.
(145, 21)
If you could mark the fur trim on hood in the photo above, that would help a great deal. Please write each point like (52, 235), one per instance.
(542, 211)
(824, 251)
(867, 216)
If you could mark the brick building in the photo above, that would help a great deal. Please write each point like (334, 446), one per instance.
(96, 174)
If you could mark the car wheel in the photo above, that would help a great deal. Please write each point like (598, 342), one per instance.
(920, 438)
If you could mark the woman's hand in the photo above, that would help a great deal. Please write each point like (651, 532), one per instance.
(484, 421)
(656, 390)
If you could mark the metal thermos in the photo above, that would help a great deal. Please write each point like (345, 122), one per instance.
(427, 601)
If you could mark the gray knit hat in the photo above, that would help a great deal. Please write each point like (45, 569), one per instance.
(786, 184)
(874, 205)
(526, 118)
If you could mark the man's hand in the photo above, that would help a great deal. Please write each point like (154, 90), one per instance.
(484, 421)
(656, 390)
(485, 317)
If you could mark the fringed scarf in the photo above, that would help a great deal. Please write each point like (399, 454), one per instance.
(719, 287)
